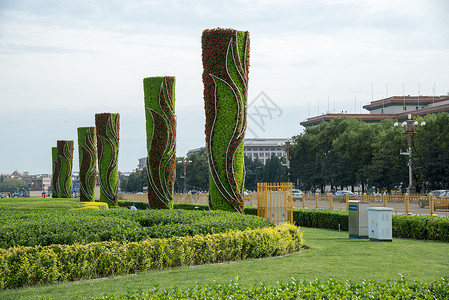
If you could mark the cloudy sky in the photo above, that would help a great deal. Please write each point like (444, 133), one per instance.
(63, 61)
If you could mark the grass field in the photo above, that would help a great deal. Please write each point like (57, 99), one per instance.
(331, 255)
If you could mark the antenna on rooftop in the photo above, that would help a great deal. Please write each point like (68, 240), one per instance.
(419, 92)
(433, 98)
(403, 93)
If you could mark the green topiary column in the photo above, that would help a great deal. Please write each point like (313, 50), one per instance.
(55, 172)
(65, 163)
(225, 77)
(161, 140)
(108, 127)
(87, 147)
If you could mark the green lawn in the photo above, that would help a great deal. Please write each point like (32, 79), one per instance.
(331, 255)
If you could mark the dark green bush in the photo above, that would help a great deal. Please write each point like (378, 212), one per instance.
(45, 227)
(299, 289)
(32, 265)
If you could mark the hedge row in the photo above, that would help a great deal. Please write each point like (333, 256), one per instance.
(298, 289)
(21, 266)
(46, 227)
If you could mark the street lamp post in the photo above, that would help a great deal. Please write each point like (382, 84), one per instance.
(410, 127)
(184, 163)
(287, 148)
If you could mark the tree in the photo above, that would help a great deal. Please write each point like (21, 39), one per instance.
(134, 182)
(253, 173)
(13, 185)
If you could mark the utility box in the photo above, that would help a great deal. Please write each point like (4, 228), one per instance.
(358, 219)
(380, 224)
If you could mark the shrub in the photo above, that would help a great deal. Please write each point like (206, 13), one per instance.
(32, 265)
(46, 227)
(299, 289)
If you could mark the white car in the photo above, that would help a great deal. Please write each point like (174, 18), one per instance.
(342, 193)
(296, 192)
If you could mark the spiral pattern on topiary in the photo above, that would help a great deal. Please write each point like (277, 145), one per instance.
(225, 77)
(161, 140)
(87, 147)
(108, 127)
(64, 169)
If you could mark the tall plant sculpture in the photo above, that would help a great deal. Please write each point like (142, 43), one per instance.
(108, 127)
(225, 77)
(64, 166)
(55, 172)
(87, 147)
(159, 95)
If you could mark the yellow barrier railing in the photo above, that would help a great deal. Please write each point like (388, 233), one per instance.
(275, 202)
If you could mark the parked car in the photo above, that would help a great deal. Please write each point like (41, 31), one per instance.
(424, 201)
(193, 192)
(296, 193)
(442, 200)
(342, 193)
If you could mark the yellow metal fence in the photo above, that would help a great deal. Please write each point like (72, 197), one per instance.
(275, 202)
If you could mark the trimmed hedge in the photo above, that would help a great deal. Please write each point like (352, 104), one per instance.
(225, 56)
(299, 289)
(108, 127)
(46, 227)
(161, 139)
(21, 266)
(87, 149)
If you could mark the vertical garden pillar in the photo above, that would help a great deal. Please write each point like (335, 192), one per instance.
(87, 149)
(108, 127)
(225, 55)
(55, 172)
(64, 165)
(159, 95)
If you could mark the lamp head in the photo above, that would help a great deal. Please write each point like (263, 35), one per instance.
(409, 116)
(404, 124)
(396, 124)
(423, 123)
(415, 123)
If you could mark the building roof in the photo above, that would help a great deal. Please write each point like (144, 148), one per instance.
(441, 105)
(264, 141)
(408, 100)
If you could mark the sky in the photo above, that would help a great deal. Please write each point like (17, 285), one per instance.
(63, 61)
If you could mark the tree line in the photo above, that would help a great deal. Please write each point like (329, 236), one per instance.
(348, 153)
(338, 154)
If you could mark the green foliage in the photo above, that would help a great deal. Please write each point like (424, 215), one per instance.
(321, 218)
(87, 149)
(346, 152)
(55, 226)
(161, 139)
(134, 182)
(13, 185)
(33, 265)
(108, 128)
(64, 167)
(225, 58)
(299, 289)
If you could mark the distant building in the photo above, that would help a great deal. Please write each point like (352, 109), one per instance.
(396, 107)
(260, 148)
(142, 163)
(40, 182)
